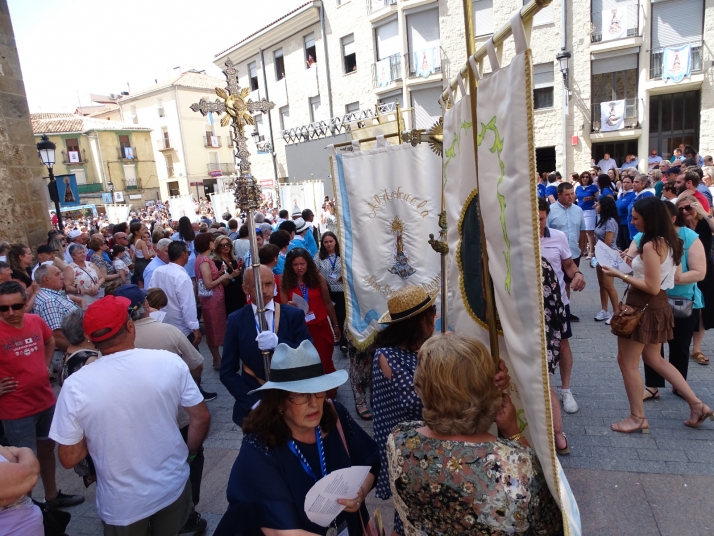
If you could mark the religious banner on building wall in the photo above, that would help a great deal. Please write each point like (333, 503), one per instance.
(424, 62)
(383, 72)
(387, 203)
(612, 115)
(677, 62)
(503, 208)
(614, 23)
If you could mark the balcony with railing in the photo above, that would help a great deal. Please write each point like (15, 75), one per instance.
(74, 157)
(127, 153)
(164, 144)
(656, 59)
(212, 141)
(427, 62)
(630, 120)
(132, 184)
(374, 6)
(613, 24)
(90, 188)
(225, 169)
(386, 71)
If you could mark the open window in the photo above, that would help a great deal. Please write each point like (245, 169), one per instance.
(279, 64)
(310, 51)
(253, 75)
(349, 53)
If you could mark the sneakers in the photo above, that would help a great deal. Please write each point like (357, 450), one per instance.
(62, 500)
(609, 318)
(194, 524)
(208, 396)
(569, 403)
(602, 315)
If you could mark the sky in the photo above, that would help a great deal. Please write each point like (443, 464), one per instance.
(71, 48)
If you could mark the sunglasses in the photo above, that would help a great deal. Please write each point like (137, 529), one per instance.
(304, 398)
(14, 307)
(685, 207)
(225, 245)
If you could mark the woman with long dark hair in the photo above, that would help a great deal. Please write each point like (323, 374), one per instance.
(606, 232)
(186, 233)
(302, 278)
(607, 187)
(329, 262)
(623, 202)
(658, 258)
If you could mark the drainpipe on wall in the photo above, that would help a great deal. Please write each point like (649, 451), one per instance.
(327, 59)
(270, 121)
(566, 99)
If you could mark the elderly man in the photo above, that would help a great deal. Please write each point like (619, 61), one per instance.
(161, 259)
(176, 284)
(159, 336)
(140, 390)
(52, 302)
(27, 403)
(242, 362)
(606, 163)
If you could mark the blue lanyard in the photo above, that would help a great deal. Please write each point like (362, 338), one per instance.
(306, 466)
(329, 258)
(304, 291)
(257, 326)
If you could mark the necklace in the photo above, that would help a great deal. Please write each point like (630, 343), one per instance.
(303, 461)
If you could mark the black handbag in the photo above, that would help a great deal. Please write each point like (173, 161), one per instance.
(54, 521)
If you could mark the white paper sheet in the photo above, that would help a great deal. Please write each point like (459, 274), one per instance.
(606, 256)
(321, 504)
(300, 302)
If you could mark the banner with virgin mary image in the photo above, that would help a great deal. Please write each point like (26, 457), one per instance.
(677, 63)
(387, 203)
(614, 23)
(612, 115)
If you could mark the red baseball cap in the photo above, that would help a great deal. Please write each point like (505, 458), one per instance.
(108, 313)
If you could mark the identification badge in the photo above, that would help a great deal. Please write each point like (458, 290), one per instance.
(334, 276)
(309, 317)
(342, 530)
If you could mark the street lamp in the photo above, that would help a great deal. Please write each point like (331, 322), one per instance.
(46, 152)
(563, 58)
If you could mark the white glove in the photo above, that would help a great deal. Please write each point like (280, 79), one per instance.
(267, 340)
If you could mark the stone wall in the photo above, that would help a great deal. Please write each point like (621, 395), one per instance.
(23, 198)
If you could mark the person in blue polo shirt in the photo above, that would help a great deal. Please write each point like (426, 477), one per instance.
(638, 186)
(623, 203)
(586, 195)
(551, 191)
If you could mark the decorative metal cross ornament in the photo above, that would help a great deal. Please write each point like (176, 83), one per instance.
(234, 102)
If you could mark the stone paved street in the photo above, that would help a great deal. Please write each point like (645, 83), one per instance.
(638, 484)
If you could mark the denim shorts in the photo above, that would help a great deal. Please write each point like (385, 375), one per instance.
(27, 431)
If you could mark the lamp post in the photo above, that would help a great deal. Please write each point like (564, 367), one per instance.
(563, 58)
(46, 152)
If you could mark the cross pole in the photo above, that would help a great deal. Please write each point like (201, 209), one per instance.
(234, 102)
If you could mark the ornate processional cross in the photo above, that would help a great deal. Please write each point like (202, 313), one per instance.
(232, 101)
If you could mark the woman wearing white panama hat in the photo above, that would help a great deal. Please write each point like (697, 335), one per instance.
(294, 437)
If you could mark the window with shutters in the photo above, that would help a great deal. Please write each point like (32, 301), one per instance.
(427, 109)
(483, 17)
(389, 50)
(543, 85)
(424, 43)
(125, 147)
(253, 75)
(285, 118)
(279, 64)
(676, 22)
(73, 154)
(160, 107)
(544, 16)
(349, 53)
(310, 50)
(614, 19)
(615, 78)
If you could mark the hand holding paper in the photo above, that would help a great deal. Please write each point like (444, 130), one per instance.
(321, 504)
(609, 257)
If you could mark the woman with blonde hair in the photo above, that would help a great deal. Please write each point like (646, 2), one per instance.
(448, 474)
(223, 256)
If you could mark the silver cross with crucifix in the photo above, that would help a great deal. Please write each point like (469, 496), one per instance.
(238, 109)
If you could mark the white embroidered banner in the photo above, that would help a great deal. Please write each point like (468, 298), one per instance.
(180, 206)
(614, 23)
(677, 62)
(117, 213)
(388, 202)
(506, 202)
(612, 115)
(222, 203)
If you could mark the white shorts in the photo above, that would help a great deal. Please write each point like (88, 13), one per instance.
(590, 217)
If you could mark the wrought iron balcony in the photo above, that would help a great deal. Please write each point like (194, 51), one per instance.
(225, 169)
(656, 59)
(127, 153)
(323, 129)
(387, 70)
(377, 5)
(424, 63)
(630, 121)
(208, 141)
(164, 144)
(77, 157)
(611, 28)
(133, 184)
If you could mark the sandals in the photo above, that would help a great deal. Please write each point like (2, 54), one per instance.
(651, 394)
(703, 417)
(700, 358)
(364, 413)
(564, 451)
(343, 348)
(617, 427)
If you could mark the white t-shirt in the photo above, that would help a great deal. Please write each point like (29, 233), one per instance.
(120, 265)
(126, 405)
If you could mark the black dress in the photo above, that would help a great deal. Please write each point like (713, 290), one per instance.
(23, 277)
(706, 286)
(234, 295)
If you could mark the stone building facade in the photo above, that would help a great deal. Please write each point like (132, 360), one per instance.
(329, 59)
(23, 192)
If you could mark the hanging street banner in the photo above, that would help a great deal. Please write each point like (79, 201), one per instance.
(182, 206)
(677, 63)
(388, 201)
(506, 202)
(222, 203)
(612, 115)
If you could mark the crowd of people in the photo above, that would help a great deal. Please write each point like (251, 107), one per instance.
(114, 315)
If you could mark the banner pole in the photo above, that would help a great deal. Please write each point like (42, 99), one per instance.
(488, 283)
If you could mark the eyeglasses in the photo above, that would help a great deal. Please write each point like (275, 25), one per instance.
(304, 398)
(225, 245)
(685, 207)
(14, 307)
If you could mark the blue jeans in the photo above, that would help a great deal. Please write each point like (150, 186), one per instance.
(27, 431)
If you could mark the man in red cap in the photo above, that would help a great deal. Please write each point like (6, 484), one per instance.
(122, 410)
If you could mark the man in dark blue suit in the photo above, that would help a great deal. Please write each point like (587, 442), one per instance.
(241, 346)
